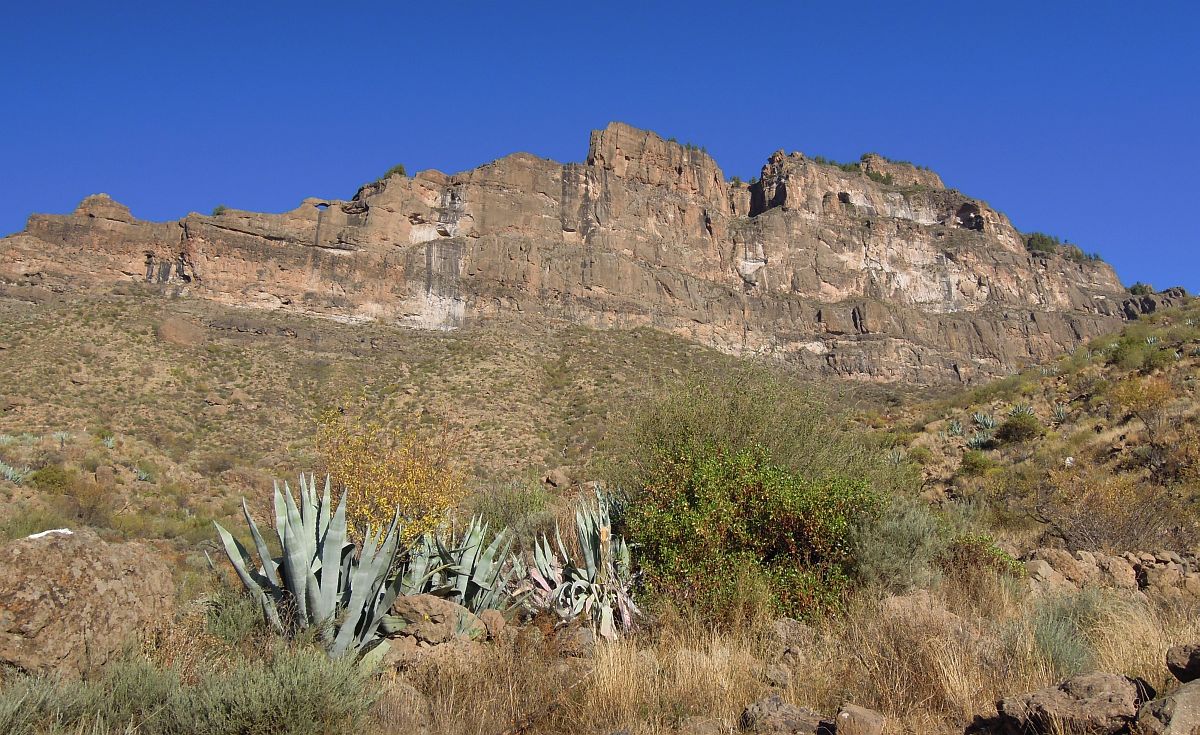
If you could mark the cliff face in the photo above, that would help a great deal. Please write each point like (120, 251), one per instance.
(878, 272)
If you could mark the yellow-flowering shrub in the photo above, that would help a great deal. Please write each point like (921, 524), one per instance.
(383, 469)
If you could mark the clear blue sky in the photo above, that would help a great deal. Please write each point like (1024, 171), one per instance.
(1075, 118)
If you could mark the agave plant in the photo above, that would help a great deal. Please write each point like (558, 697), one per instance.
(1021, 409)
(15, 475)
(320, 582)
(1152, 340)
(984, 421)
(1059, 413)
(472, 573)
(597, 584)
(981, 440)
(954, 428)
(896, 456)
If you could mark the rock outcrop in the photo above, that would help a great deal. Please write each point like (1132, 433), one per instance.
(872, 271)
(69, 602)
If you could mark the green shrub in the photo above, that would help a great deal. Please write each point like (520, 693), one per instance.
(922, 455)
(711, 517)
(975, 463)
(53, 479)
(219, 210)
(972, 552)
(1019, 428)
(1040, 242)
(746, 409)
(397, 170)
(519, 506)
(1141, 289)
(897, 549)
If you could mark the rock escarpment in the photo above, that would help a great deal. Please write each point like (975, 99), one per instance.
(874, 271)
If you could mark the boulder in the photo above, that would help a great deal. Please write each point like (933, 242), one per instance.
(773, 716)
(433, 620)
(69, 601)
(855, 720)
(1098, 703)
(1184, 662)
(1178, 713)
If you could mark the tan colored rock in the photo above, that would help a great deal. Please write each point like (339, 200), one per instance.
(829, 269)
(433, 620)
(70, 602)
(494, 622)
(855, 720)
(1102, 704)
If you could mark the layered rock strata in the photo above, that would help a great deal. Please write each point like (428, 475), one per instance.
(873, 271)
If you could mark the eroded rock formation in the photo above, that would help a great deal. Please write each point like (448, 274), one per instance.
(877, 272)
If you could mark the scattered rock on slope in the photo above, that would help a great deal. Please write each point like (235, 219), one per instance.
(69, 602)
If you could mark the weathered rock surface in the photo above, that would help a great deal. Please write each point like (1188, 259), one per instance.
(432, 620)
(854, 720)
(835, 270)
(1184, 662)
(1178, 713)
(1163, 575)
(773, 716)
(70, 602)
(1097, 703)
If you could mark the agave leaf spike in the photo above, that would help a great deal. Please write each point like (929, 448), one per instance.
(297, 556)
(326, 507)
(264, 554)
(333, 544)
(280, 513)
(255, 586)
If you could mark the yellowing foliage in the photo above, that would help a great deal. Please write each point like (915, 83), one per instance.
(383, 470)
(1146, 398)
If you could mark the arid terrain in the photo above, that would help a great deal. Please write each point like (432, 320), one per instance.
(835, 450)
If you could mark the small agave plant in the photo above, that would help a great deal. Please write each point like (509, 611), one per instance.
(320, 582)
(473, 572)
(597, 583)
(984, 421)
(954, 428)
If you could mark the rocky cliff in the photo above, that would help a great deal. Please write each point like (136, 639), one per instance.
(872, 271)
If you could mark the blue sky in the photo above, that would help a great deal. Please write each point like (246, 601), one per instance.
(1077, 119)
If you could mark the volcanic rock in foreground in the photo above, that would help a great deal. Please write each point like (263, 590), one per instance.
(878, 272)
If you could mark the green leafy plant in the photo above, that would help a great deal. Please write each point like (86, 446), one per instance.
(219, 210)
(712, 520)
(321, 582)
(1021, 409)
(1019, 428)
(596, 583)
(397, 170)
(954, 428)
(1141, 289)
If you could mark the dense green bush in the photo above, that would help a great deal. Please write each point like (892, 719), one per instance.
(1141, 289)
(975, 463)
(397, 170)
(1019, 428)
(710, 519)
